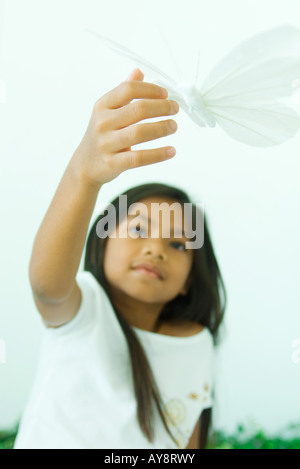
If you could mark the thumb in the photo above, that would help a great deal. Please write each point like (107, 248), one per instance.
(136, 74)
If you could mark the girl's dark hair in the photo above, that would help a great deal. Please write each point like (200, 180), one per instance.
(204, 304)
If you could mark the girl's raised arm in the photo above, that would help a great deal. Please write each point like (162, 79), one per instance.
(103, 154)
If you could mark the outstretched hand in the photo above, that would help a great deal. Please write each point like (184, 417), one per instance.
(105, 150)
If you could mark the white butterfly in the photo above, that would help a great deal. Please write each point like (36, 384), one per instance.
(242, 91)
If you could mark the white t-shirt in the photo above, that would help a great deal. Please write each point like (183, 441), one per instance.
(83, 395)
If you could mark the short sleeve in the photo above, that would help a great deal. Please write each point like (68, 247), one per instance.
(86, 314)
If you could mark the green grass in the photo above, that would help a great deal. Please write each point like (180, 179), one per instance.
(242, 438)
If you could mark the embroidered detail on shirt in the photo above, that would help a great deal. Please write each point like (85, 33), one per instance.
(193, 395)
(175, 411)
(200, 396)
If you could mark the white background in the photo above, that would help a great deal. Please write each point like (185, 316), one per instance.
(54, 72)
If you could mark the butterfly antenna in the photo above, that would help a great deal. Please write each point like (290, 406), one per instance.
(179, 73)
(197, 69)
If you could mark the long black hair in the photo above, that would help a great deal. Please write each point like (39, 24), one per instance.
(204, 303)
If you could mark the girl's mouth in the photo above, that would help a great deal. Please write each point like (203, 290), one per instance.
(149, 270)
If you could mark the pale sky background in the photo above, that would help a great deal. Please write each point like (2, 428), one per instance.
(54, 73)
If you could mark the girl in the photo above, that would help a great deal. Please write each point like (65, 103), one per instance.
(127, 359)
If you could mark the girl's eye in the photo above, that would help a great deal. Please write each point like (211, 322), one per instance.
(143, 234)
(137, 229)
(179, 246)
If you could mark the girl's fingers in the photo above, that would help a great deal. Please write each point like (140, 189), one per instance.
(134, 159)
(129, 90)
(136, 74)
(140, 133)
(140, 110)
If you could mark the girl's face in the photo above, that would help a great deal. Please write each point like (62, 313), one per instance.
(124, 255)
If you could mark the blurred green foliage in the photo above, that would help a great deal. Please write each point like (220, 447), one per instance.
(243, 438)
(7, 439)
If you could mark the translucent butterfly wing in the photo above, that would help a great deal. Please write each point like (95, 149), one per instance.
(243, 90)
(247, 106)
(124, 51)
(260, 124)
(159, 77)
(272, 79)
(282, 41)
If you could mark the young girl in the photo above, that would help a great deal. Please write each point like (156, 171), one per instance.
(128, 355)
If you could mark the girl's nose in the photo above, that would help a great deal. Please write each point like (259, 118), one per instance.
(155, 250)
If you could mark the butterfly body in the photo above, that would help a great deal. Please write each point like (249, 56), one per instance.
(195, 103)
(191, 101)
